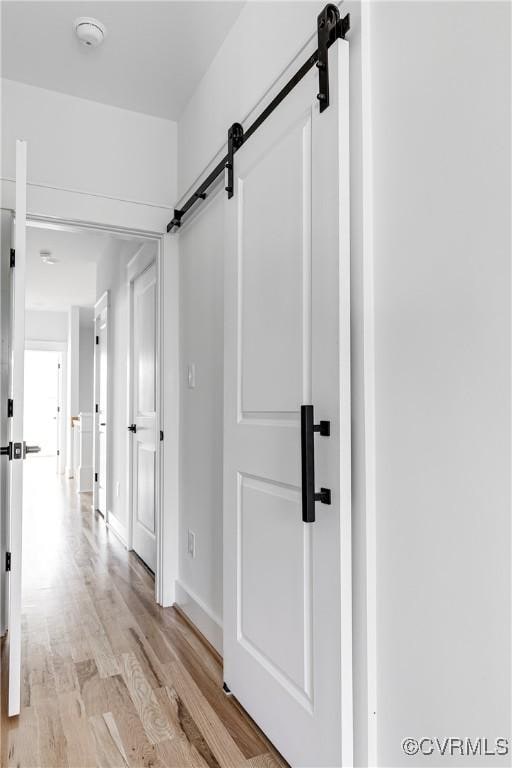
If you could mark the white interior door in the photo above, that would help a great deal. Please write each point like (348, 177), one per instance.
(287, 583)
(144, 426)
(17, 358)
(102, 412)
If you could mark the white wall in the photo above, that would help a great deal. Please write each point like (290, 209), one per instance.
(227, 92)
(201, 412)
(111, 275)
(80, 144)
(441, 98)
(73, 386)
(99, 156)
(86, 360)
(45, 325)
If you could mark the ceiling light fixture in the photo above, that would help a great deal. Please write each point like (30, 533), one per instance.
(89, 31)
(47, 258)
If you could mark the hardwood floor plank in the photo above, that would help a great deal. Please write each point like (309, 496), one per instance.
(212, 660)
(52, 745)
(153, 720)
(146, 657)
(239, 727)
(137, 745)
(21, 746)
(206, 720)
(190, 731)
(64, 675)
(264, 761)
(109, 748)
(40, 673)
(75, 725)
(178, 753)
(102, 695)
(114, 732)
(103, 654)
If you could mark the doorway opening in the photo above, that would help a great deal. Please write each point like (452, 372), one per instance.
(89, 322)
(44, 406)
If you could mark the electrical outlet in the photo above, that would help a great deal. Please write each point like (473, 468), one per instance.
(118, 488)
(191, 543)
(191, 376)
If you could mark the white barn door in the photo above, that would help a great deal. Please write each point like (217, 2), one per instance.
(287, 583)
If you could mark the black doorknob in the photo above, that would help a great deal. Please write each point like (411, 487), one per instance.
(132, 427)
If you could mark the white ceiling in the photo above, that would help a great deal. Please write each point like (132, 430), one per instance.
(70, 282)
(154, 55)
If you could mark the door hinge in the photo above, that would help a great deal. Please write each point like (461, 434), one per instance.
(10, 408)
(97, 408)
(58, 366)
(58, 409)
(97, 339)
(58, 453)
(161, 435)
(95, 477)
(12, 261)
(7, 561)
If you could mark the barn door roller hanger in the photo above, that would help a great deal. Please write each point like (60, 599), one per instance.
(330, 27)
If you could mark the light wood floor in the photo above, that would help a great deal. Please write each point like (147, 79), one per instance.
(108, 677)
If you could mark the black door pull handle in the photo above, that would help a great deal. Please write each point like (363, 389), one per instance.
(132, 428)
(309, 494)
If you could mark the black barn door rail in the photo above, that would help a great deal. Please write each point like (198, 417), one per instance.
(330, 27)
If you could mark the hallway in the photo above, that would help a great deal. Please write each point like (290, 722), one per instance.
(108, 677)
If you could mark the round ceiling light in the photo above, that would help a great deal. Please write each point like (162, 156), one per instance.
(89, 31)
(47, 258)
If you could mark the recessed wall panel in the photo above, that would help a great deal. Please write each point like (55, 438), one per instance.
(274, 254)
(146, 487)
(274, 554)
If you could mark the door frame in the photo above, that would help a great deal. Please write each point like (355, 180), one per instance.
(61, 348)
(102, 308)
(167, 262)
(138, 264)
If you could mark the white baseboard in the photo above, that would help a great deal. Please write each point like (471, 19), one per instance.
(199, 614)
(117, 528)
